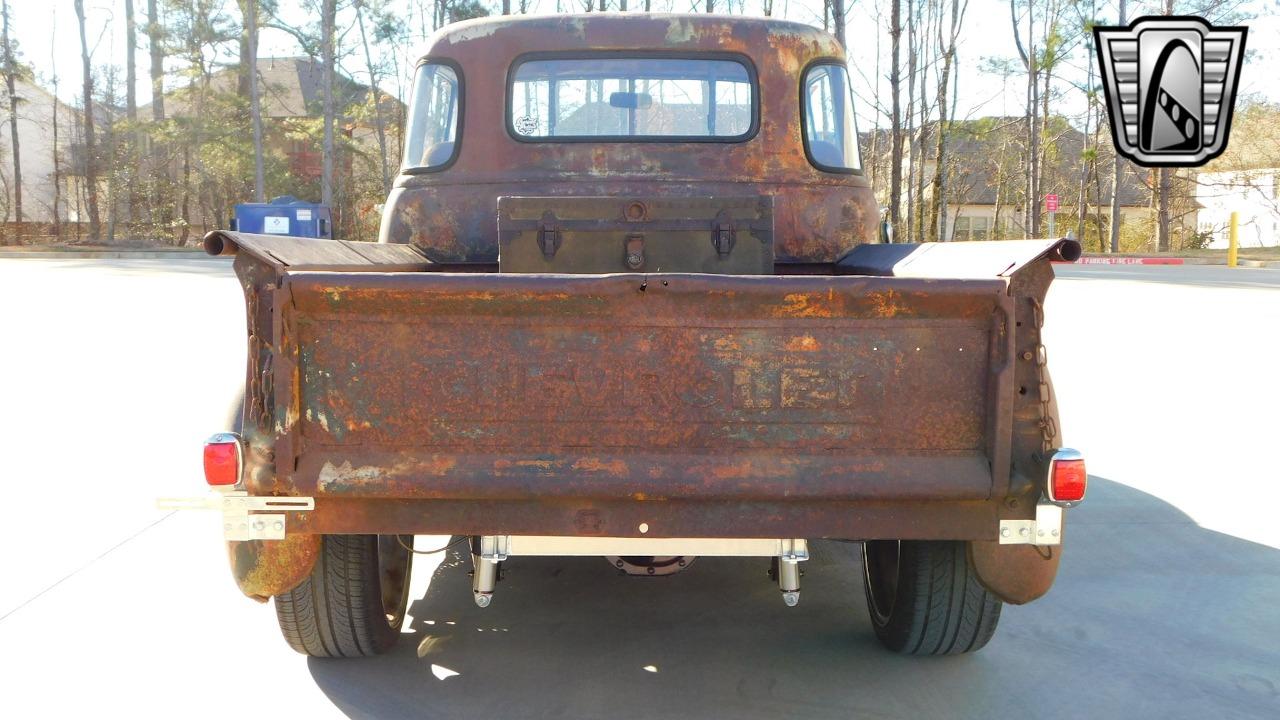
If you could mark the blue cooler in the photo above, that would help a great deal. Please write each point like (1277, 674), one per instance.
(285, 215)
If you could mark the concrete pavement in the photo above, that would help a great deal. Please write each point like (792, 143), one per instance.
(115, 371)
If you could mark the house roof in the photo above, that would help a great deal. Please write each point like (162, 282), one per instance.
(976, 146)
(289, 87)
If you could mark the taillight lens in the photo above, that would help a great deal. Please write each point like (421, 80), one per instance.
(222, 460)
(1067, 477)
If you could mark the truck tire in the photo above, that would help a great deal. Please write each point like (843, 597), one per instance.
(925, 599)
(354, 601)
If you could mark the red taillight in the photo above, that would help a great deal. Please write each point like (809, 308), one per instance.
(1067, 477)
(222, 460)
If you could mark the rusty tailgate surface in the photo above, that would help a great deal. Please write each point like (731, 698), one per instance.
(429, 385)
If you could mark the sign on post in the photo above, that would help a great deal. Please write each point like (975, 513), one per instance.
(1051, 204)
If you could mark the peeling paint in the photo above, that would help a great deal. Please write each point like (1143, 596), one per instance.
(679, 31)
(338, 475)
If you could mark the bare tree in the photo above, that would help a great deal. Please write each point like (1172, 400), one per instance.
(155, 35)
(913, 142)
(1031, 203)
(947, 47)
(130, 74)
(10, 77)
(1164, 179)
(895, 85)
(155, 42)
(1116, 169)
(375, 98)
(838, 19)
(57, 162)
(255, 100)
(328, 18)
(90, 169)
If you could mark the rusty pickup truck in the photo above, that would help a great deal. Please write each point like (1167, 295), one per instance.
(629, 300)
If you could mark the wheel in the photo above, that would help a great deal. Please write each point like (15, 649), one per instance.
(924, 598)
(353, 603)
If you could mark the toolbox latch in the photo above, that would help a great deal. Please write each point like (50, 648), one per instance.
(549, 234)
(635, 251)
(723, 234)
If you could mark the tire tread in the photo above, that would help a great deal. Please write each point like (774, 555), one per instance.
(941, 608)
(337, 610)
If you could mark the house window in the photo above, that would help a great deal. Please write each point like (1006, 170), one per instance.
(971, 228)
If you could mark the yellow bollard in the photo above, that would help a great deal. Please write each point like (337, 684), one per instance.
(1233, 241)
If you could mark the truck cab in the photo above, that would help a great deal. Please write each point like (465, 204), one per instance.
(631, 107)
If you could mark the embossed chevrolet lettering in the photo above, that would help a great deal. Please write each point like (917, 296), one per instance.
(585, 389)
(628, 303)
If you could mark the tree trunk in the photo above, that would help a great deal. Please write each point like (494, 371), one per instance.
(57, 164)
(1164, 178)
(996, 234)
(506, 7)
(837, 19)
(133, 139)
(937, 207)
(374, 97)
(895, 85)
(159, 208)
(255, 101)
(130, 74)
(90, 169)
(154, 35)
(1115, 180)
(913, 150)
(186, 196)
(109, 133)
(711, 6)
(328, 18)
(10, 70)
(1033, 130)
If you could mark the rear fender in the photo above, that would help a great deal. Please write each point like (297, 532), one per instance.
(1016, 574)
(266, 568)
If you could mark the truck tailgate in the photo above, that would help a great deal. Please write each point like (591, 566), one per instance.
(666, 387)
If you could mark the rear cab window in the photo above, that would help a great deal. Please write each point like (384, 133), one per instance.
(830, 133)
(613, 97)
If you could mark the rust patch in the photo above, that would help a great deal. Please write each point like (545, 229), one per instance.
(803, 343)
(803, 305)
(266, 568)
(596, 465)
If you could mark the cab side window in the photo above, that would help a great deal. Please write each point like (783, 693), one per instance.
(830, 135)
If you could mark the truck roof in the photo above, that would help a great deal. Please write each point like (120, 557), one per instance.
(791, 42)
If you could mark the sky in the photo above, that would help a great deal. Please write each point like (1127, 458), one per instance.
(48, 40)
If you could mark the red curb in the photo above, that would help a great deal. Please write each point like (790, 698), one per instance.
(1127, 261)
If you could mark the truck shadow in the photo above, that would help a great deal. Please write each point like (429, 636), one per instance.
(1145, 599)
